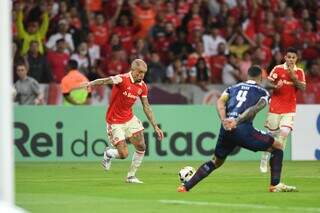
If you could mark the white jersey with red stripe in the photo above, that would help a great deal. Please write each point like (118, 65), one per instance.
(123, 96)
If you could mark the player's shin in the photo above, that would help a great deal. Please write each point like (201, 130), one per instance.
(136, 162)
(276, 166)
(203, 171)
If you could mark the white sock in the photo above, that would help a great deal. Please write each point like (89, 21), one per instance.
(136, 162)
(113, 153)
(265, 156)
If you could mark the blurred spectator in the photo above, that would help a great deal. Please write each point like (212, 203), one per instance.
(125, 31)
(117, 63)
(39, 68)
(27, 88)
(217, 63)
(140, 50)
(157, 72)
(171, 15)
(62, 33)
(309, 41)
(244, 65)
(100, 30)
(180, 48)
(17, 59)
(81, 56)
(290, 27)
(33, 32)
(231, 72)
(239, 44)
(200, 74)
(276, 60)
(58, 60)
(211, 41)
(176, 73)
(69, 83)
(144, 15)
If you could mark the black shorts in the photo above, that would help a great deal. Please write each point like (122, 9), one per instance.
(246, 136)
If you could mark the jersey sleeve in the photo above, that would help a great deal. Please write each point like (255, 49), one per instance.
(144, 90)
(273, 76)
(117, 79)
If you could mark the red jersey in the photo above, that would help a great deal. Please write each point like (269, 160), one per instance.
(123, 96)
(283, 100)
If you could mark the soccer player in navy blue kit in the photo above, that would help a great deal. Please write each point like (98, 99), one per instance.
(237, 107)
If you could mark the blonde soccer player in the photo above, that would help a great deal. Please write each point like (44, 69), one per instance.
(121, 123)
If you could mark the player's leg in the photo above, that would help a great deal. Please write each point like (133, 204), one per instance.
(119, 148)
(138, 141)
(135, 134)
(202, 172)
(260, 141)
(276, 169)
(272, 124)
(223, 148)
(286, 126)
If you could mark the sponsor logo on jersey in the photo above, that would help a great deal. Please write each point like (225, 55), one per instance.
(129, 95)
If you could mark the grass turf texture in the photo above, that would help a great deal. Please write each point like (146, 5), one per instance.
(235, 187)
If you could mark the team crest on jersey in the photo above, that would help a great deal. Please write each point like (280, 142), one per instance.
(274, 75)
(139, 91)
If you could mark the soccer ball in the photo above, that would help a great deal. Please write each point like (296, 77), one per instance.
(186, 173)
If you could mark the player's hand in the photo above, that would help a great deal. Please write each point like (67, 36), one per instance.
(229, 124)
(279, 84)
(159, 133)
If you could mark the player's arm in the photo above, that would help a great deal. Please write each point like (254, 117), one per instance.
(221, 105)
(299, 84)
(270, 85)
(147, 110)
(101, 81)
(251, 111)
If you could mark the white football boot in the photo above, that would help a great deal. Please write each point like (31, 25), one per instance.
(282, 188)
(133, 179)
(106, 162)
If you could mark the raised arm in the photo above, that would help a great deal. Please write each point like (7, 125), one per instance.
(101, 81)
(251, 111)
(147, 110)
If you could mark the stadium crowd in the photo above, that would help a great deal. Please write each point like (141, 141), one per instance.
(199, 42)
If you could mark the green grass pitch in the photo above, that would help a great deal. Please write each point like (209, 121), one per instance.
(236, 187)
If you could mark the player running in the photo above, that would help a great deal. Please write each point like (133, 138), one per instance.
(122, 124)
(286, 80)
(237, 108)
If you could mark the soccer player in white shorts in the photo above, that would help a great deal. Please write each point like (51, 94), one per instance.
(122, 124)
(286, 80)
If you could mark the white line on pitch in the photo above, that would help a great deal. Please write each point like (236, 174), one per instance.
(238, 205)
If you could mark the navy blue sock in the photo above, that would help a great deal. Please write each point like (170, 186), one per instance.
(203, 171)
(276, 166)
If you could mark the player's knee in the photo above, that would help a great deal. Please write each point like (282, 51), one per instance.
(141, 147)
(123, 155)
(277, 145)
(285, 131)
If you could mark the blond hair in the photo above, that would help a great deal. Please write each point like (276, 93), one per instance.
(139, 64)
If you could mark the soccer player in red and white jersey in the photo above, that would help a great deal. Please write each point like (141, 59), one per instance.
(286, 80)
(122, 124)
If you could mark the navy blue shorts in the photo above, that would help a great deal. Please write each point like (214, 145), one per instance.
(246, 136)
